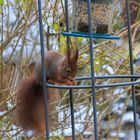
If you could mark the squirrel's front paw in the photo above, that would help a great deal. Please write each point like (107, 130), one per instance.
(63, 82)
(51, 81)
(71, 82)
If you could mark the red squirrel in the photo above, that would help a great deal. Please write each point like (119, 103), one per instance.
(60, 69)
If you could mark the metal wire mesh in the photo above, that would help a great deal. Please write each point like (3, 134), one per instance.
(93, 85)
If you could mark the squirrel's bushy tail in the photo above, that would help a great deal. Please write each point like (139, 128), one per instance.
(30, 105)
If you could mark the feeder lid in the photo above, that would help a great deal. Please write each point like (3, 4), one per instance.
(97, 1)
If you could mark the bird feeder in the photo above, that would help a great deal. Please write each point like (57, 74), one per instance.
(101, 16)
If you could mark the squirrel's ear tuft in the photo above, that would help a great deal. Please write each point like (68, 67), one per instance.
(72, 54)
(76, 54)
(32, 66)
(68, 53)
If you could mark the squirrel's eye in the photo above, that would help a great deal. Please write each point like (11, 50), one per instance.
(68, 70)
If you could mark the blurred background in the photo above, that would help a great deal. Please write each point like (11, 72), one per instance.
(20, 50)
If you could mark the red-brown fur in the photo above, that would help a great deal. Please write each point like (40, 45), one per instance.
(29, 95)
(29, 105)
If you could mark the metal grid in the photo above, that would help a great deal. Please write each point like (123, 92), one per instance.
(93, 86)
